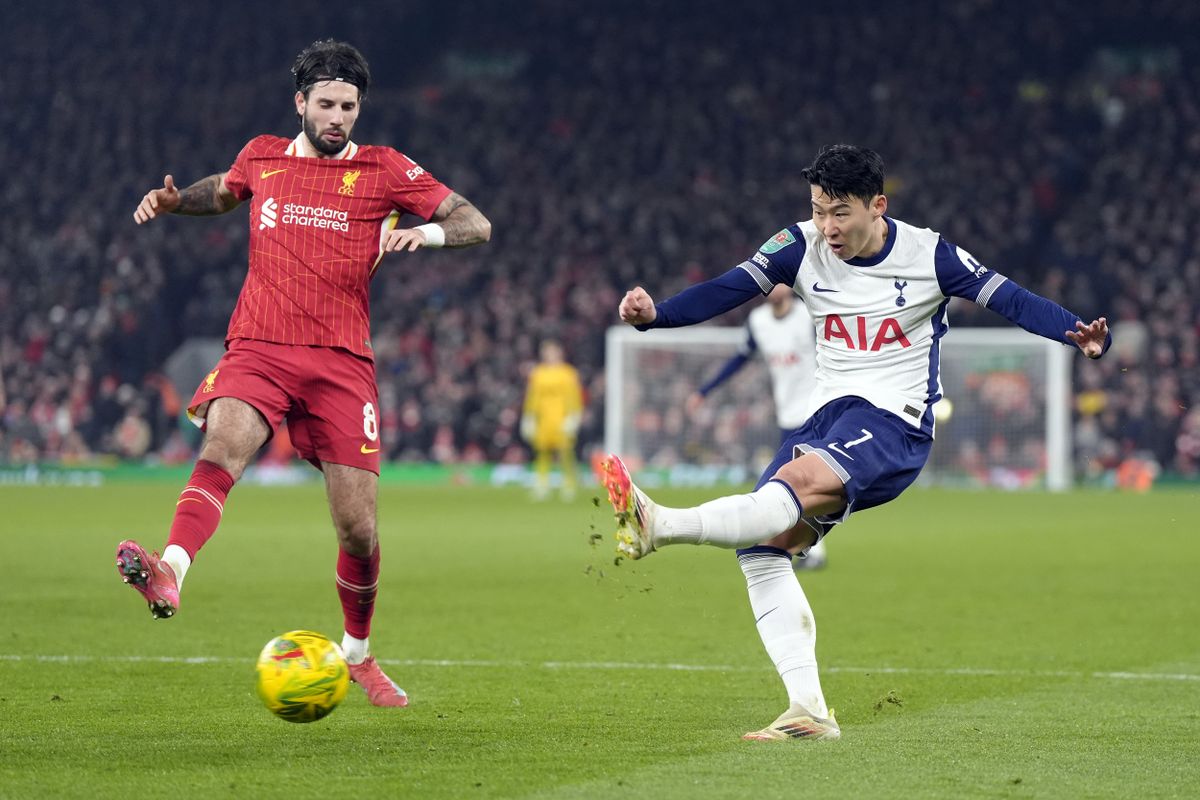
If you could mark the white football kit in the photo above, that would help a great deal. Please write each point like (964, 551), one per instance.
(878, 325)
(788, 348)
(879, 320)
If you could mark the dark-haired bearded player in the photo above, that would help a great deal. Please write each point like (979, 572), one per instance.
(323, 212)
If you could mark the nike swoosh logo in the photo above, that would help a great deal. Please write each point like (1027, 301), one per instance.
(268, 173)
(760, 619)
(366, 451)
(819, 289)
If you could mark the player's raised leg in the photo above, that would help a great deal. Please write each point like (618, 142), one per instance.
(806, 486)
(234, 432)
(352, 500)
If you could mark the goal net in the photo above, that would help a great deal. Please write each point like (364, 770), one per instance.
(1005, 422)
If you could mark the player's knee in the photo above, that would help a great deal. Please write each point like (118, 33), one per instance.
(356, 535)
(799, 475)
(816, 486)
(225, 456)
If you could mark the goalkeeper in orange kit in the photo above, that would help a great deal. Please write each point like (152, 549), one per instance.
(550, 420)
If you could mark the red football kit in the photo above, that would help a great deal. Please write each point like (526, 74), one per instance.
(299, 339)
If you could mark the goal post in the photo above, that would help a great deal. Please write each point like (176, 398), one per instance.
(1005, 421)
(1009, 420)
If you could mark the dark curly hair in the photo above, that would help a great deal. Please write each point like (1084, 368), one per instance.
(845, 171)
(329, 60)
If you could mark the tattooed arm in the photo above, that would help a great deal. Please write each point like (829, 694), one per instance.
(203, 198)
(461, 223)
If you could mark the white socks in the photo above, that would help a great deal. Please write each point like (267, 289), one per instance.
(786, 625)
(740, 520)
(179, 561)
(355, 650)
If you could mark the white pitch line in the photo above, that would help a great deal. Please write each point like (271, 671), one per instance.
(634, 665)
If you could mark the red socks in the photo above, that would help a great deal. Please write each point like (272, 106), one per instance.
(198, 512)
(357, 583)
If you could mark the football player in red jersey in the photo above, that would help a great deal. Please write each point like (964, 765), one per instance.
(323, 212)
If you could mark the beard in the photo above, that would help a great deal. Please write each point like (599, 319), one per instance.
(324, 147)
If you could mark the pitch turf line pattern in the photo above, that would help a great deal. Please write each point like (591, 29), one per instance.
(972, 672)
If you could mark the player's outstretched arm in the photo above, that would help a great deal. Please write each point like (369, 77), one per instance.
(637, 307)
(455, 223)
(1090, 337)
(205, 197)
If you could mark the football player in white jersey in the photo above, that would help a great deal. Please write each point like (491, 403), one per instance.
(782, 331)
(877, 289)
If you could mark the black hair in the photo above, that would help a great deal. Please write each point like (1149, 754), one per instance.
(845, 170)
(329, 60)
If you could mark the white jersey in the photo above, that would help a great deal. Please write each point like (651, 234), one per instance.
(878, 320)
(787, 345)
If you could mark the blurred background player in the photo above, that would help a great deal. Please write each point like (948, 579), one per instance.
(877, 289)
(323, 212)
(550, 420)
(782, 330)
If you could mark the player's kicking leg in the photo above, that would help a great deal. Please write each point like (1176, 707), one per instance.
(152, 577)
(730, 522)
(633, 509)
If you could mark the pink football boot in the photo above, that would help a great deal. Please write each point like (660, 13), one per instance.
(153, 578)
(380, 689)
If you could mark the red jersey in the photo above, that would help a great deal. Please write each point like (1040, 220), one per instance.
(316, 236)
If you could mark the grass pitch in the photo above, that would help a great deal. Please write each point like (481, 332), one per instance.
(974, 645)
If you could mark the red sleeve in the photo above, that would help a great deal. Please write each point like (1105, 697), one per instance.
(237, 180)
(411, 188)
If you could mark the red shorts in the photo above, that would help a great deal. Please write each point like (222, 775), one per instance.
(327, 395)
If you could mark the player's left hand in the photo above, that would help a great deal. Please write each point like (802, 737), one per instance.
(403, 240)
(1090, 338)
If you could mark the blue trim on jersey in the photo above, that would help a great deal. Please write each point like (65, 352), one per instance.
(1036, 314)
(956, 277)
(703, 301)
(932, 395)
(763, 550)
(959, 274)
(783, 264)
(876, 259)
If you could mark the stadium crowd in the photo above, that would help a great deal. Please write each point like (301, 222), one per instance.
(606, 144)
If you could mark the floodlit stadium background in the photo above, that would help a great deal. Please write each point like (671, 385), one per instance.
(653, 143)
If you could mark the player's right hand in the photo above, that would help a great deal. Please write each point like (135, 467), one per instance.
(637, 307)
(157, 201)
(693, 403)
